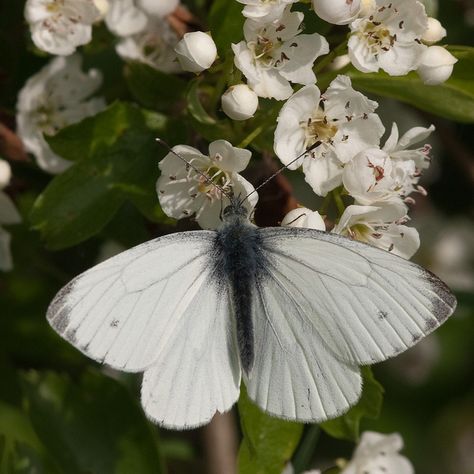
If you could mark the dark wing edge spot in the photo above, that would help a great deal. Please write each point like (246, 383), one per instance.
(445, 303)
(58, 311)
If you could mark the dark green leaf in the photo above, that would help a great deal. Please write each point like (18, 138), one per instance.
(207, 126)
(453, 100)
(92, 425)
(153, 89)
(226, 24)
(116, 155)
(195, 107)
(369, 406)
(268, 442)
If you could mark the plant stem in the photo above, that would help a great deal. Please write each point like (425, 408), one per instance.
(251, 137)
(338, 200)
(329, 58)
(305, 451)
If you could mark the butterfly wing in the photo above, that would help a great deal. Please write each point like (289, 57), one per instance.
(156, 308)
(198, 370)
(121, 311)
(327, 304)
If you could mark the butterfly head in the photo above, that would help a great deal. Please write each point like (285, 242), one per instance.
(235, 210)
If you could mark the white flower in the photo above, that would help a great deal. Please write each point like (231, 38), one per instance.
(264, 11)
(408, 163)
(153, 46)
(182, 192)
(276, 54)
(124, 18)
(159, 8)
(196, 51)
(52, 99)
(389, 37)
(60, 26)
(338, 12)
(378, 453)
(304, 217)
(434, 33)
(8, 215)
(342, 122)
(239, 102)
(381, 226)
(368, 178)
(436, 65)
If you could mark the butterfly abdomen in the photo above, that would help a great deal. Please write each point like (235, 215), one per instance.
(239, 257)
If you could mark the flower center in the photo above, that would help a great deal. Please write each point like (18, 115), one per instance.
(217, 177)
(377, 36)
(318, 129)
(54, 6)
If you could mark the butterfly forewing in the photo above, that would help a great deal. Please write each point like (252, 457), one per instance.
(123, 310)
(367, 304)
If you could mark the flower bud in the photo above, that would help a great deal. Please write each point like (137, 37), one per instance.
(239, 102)
(337, 12)
(5, 173)
(158, 7)
(436, 65)
(196, 51)
(434, 33)
(304, 217)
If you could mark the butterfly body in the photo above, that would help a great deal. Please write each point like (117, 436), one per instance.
(240, 263)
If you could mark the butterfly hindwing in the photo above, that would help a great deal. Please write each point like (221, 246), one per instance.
(198, 370)
(294, 375)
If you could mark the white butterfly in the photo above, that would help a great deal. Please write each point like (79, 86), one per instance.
(294, 312)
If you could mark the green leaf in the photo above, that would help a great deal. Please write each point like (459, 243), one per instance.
(268, 442)
(453, 100)
(201, 120)
(116, 158)
(153, 89)
(347, 426)
(91, 425)
(226, 24)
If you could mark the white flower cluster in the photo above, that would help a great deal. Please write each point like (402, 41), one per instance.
(8, 215)
(57, 96)
(343, 133)
(144, 34)
(391, 35)
(60, 26)
(387, 35)
(273, 54)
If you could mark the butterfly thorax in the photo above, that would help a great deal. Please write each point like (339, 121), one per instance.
(240, 258)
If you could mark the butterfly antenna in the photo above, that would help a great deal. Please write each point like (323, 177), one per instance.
(208, 180)
(283, 168)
